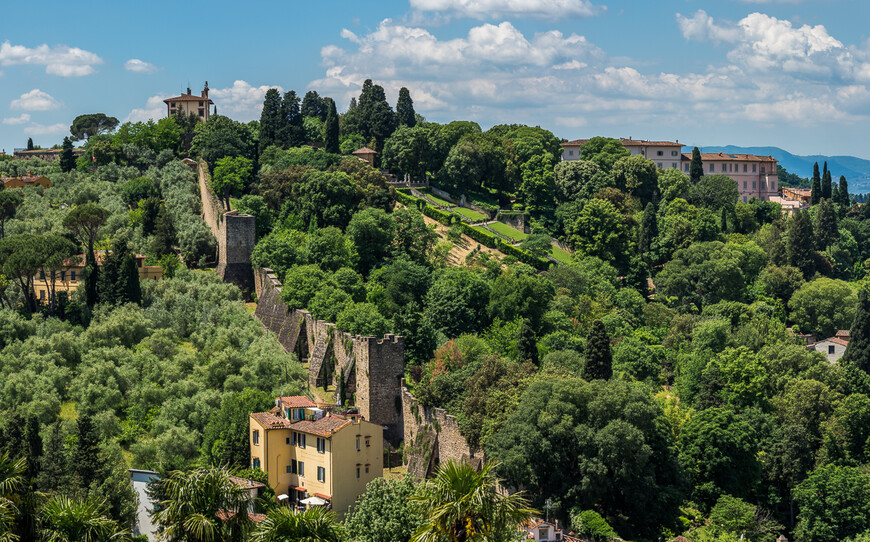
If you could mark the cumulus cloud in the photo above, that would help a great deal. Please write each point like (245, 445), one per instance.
(42, 129)
(139, 66)
(59, 60)
(35, 100)
(242, 101)
(154, 109)
(488, 9)
(24, 118)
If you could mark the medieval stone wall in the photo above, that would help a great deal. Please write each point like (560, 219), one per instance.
(517, 221)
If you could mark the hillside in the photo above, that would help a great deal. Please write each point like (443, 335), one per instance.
(856, 170)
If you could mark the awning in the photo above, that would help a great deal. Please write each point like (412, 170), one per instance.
(313, 501)
(283, 497)
(297, 488)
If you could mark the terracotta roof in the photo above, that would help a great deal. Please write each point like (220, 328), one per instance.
(270, 421)
(297, 401)
(628, 142)
(188, 98)
(298, 488)
(246, 483)
(364, 150)
(324, 427)
(842, 333)
(723, 156)
(223, 515)
(323, 496)
(835, 340)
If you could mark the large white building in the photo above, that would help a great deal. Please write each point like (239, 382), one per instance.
(755, 176)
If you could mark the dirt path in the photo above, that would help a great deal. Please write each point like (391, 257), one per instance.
(462, 247)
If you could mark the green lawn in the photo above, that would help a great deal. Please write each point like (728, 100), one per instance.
(470, 214)
(439, 201)
(561, 255)
(484, 230)
(507, 231)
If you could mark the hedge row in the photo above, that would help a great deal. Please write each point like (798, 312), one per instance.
(410, 201)
(538, 263)
(485, 239)
(436, 214)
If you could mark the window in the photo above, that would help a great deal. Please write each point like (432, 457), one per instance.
(72, 276)
(544, 533)
(674, 165)
(711, 168)
(744, 185)
(321, 445)
(293, 439)
(762, 169)
(42, 298)
(357, 472)
(723, 168)
(673, 153)
(201, 113)
(744, 199)
(660, 153)
(301, 468)
(288, 441)
(659, 165)
(293, 466)
(321, 474)
(63, 276)
(301, 440)
(255, 463)
(831, 349)
(367, 469)
(570, 153)
(687, 167)
(289, 469)
(256, 437)
(753, 168)
(754, 184)
(42, 275)
(357, 444)
(200, 104)
(744, 168)
(367, 443)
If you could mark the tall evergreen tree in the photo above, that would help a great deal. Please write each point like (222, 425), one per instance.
(648, 231)
(85, 459)
(527, 349)
(270, 119)
(32, 447)
(599, 358)
(85, 221)
(835, 193)
(54, 469)
(314, 106)
(331, 129)
(826, 185)
(353, 104)
(15, 436)
(292, 132)
(405, 109)
(843, 192)
(816, 190)
(858, 349)
(826, 225)
(67, 159)
(799, 243)
(377, 118)
(696, 168)
(723, 220)
(30, 143)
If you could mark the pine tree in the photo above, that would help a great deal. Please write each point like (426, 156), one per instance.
(799, 243)
(527, 349)
(32, 447)
(826, 231)
(54, 469)
(67, 159)
(843, 192)
(405, 109)
(599, 359)
(648, 231)
(826, 185)
(270, 119)
(858, 349)
(331, 129)
(696, 168)
(85, 459)
(816, 190)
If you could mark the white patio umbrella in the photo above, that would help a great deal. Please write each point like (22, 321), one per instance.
(313, 501)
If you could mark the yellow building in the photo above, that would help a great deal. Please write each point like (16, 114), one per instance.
(190, 104)
(69, 278)
(312, 452)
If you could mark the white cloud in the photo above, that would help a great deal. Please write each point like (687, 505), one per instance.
(35, 100)
(139, 66)
(573, 65)
(59, 60)
(242, 101)
(42, 129)
(154, 109)
(24, 118)
(700, 27)
(488, 9)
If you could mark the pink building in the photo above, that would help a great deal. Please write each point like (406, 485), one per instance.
(755, 175)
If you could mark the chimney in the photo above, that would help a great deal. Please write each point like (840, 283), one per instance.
(188, 91)
(205, 90)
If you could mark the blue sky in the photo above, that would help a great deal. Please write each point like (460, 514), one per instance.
(787, 73)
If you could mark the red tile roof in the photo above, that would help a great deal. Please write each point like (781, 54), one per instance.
(324, 427)
(188, 98)
(297, 401)
(836, 340)
(364, 150)
(721, 156)
(270, 421)
(246, 483)
(628, 142)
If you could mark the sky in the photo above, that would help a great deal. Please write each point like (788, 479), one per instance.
(788, 73)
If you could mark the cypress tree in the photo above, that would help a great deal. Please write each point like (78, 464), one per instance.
(696, 168)
(54, 468)
(835, 193)
(599, 359)
(30, 143)
(32, 446)
(405, 109)
(292, 131)
(67, 159)
(85, 463)
(826, 185)
(15, 436)
(270, 119)
(91, 277)
(843, 192)
(352, 105)
(816, 190)
(648, 230)
(330, 130)
(314, 106)
(826, 231)
(799, 243)
(858, 349)
(527, 349)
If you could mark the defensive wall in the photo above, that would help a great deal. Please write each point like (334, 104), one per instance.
(235, 233)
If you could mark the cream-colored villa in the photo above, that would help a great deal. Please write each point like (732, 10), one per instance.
(190, 104)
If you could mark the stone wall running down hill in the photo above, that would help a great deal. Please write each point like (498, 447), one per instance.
(236, 235)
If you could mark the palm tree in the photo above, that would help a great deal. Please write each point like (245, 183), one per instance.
(202, 506)
(462, 504)
(11, 485)
(72, 520)
(312, 525)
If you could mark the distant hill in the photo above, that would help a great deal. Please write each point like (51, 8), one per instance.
(856, 170)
